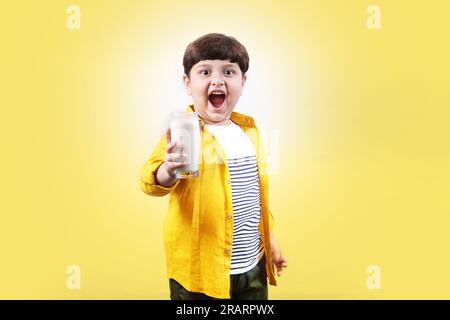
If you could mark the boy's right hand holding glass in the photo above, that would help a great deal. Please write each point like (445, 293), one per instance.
(166, 175)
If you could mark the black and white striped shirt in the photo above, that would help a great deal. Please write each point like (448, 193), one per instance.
(241, 158)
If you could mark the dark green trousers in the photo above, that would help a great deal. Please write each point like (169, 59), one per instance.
(251, 285)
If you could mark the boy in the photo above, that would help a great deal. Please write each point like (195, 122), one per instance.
(218, 230)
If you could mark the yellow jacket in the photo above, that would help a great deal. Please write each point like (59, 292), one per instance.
(198, 227)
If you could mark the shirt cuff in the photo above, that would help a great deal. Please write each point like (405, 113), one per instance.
(148, 180)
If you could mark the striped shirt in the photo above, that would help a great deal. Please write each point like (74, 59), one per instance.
(241, 158)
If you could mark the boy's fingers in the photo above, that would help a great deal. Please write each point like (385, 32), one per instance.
(279, 266)
(175, 157)
(279, 270)
(171, 166)
(170, 148)
(168, 136)
(169, 157)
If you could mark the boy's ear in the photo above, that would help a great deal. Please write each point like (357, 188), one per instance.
(187, 84)
(244, 78)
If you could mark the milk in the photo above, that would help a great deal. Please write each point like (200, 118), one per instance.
(185, 128)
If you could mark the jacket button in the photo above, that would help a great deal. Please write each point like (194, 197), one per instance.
(228, 251)
(229, 216)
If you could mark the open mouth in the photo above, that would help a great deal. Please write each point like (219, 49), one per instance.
(217, 98)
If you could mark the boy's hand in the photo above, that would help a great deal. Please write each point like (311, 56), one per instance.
(173, 160)
(278, 260)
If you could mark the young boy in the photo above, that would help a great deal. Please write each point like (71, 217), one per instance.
(218, 232)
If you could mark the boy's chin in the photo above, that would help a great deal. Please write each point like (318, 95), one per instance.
(216, 116)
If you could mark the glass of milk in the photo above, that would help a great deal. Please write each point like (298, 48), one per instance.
(185, 128)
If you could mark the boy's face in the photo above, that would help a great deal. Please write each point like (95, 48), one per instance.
(215, 87)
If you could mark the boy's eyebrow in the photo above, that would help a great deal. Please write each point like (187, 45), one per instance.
(209, 65)
(230, 65)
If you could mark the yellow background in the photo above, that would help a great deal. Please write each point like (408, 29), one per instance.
(364, 151)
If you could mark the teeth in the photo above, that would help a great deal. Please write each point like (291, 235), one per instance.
(217, 93)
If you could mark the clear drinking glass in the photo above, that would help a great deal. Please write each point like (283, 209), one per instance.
(185, 128)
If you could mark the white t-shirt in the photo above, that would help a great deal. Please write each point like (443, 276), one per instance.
(241, 159)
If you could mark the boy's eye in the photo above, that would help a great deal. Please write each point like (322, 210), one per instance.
(229, 72)
(204, 72)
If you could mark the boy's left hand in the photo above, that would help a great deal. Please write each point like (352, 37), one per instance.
(278, 260)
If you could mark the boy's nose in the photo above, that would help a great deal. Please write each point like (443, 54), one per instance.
(217, 82)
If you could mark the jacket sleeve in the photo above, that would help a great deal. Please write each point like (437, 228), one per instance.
(149, 169)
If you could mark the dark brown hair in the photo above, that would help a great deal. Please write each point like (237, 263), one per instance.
(215, 46)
